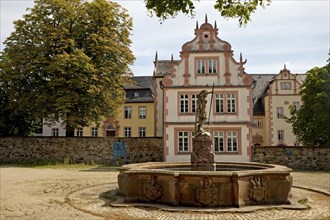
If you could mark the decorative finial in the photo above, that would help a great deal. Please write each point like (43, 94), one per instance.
(205, 18)
(241, 57)
(172, 58)
(215, 24)
(156, 57)
(196, 24)
(285, 66)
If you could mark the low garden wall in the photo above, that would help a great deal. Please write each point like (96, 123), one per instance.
(295, 157)
(39, 150)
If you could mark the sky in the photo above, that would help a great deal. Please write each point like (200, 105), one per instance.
(295, 33)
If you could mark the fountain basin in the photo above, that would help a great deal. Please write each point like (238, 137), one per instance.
(229, 185)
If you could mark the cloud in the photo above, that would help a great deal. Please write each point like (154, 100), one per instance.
(286, 31)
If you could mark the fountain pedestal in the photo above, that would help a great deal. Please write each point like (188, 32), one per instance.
(202, 156)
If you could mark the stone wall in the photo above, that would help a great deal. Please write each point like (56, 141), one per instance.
(298, 158)
(36, 150)
(77, 150)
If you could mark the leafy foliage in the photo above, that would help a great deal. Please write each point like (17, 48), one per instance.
(311, 123)
(242, 10)
(67, 59)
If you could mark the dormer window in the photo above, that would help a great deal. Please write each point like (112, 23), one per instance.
(136, 94)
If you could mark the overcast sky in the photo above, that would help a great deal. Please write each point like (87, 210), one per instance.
(295, 33)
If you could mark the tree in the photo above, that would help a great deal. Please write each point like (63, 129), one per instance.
(311, 123)
(242, 10)
(67, 59)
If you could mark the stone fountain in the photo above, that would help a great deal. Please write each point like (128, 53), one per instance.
(204, 182)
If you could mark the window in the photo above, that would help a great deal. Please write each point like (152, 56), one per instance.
(184, 103)
(142, 132)
(218, 141)
(142, 112)
(257, 123)
(232, 141)
(127, 132)
(201, 66)
(219, 108)
(212, 66)
(231, 103)
(225, 103)
(279, 111)
(280, 135)
(296, 105)
(55, 132)
(94, 132)
(225, 141)
(127, 112)
(79, 132)
(285, 85)
(183, 138)
(194, 99)
(206, 66)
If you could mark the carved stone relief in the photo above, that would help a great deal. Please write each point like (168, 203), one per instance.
(258, 189)
(206, 192)
(152, 190)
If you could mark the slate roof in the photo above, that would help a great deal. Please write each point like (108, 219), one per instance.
(141, 91)
(163, 67)
(260, 86)
(259, 89)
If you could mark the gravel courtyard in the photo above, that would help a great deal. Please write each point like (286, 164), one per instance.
(52, 192)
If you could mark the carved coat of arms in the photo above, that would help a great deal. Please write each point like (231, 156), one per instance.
(206, 192)
(258, 189)
(152, 190)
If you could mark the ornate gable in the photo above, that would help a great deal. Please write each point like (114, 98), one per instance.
(205, 60)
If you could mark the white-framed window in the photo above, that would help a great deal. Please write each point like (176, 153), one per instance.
(231, 102)
(95, 132)
(201, 66)
(296, 105)
(280, 135)
(194, 99)
(142, 132)
(206, 66)
(219, 140)
(55, 132)
(285, 85)
(232, 141)
(212, 66)
(219, 103)
(279, 112)
(257, 123)
(183, 141)
(184, 106)
(127, 132)
(127, 112)
(142, 112)
(79, 132)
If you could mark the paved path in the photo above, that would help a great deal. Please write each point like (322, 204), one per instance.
(54, 194)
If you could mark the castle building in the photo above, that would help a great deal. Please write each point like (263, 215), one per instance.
(206, 62)
(244, 110)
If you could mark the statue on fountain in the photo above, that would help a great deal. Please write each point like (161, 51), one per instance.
(202, 157)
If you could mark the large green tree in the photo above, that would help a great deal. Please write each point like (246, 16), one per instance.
(66, 59)
(242, 10)
(311, 123)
